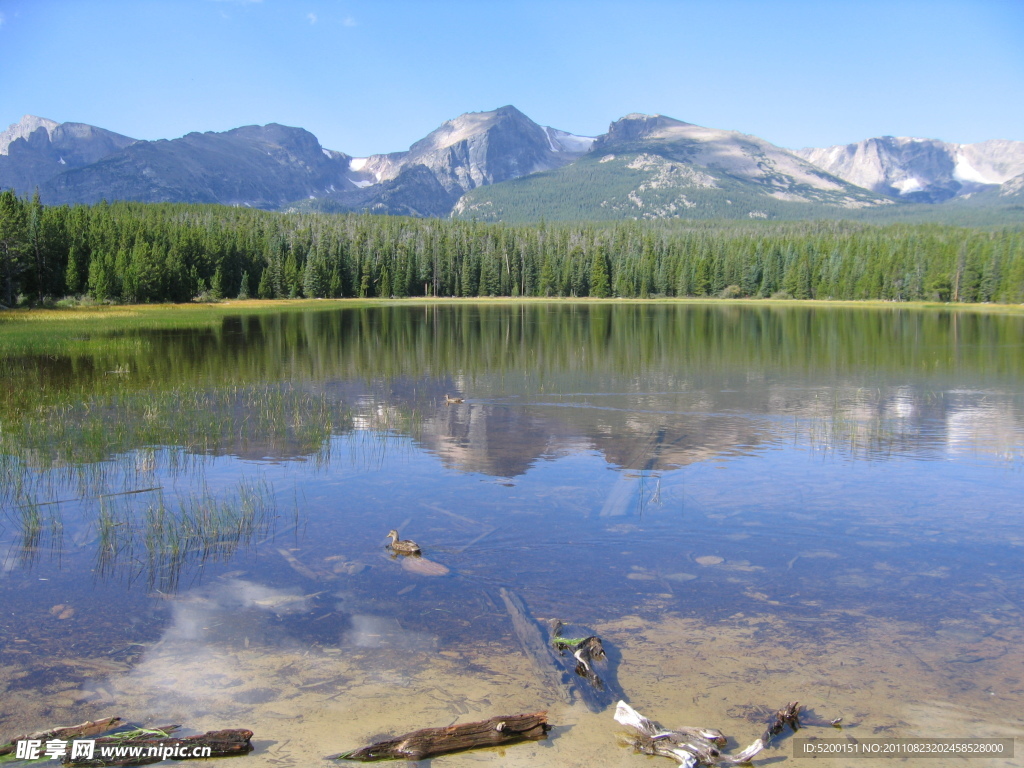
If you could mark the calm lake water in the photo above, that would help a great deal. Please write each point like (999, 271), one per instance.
(750, 504)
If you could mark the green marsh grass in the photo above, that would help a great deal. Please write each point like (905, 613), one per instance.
(122, 456)
(115, 453)
(176, 534)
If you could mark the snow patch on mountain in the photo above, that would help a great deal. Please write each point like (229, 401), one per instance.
(908, 185)
(990, 162)
(561, 141)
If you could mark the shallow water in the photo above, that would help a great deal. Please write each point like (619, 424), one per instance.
(750, 506)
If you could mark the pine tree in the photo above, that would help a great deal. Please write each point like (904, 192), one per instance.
(217, 284)
(546, 281)
(702, 277)
(266, 289)
(13, 245)
(600, 284)
(385, 282)
(101, 280)
(73, 271)
(314, 278)
(292, 276)
(142, 281)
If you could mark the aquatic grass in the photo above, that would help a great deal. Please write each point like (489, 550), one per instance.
(859, 424)
(204, 528)
(31, 525)
(37, 525)
(376, 436)
(120, 737)
(114, 451)
(178, 533)
(113, 525)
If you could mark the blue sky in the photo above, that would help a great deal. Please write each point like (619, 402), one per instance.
(371, 76)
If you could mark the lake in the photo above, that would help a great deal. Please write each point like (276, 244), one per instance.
(751, 504)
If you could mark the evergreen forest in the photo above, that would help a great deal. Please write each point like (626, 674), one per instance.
(139, 252)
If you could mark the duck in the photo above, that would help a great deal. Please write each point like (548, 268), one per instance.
(452, 400)
(406, 547)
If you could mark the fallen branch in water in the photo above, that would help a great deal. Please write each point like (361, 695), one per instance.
(692, 747)
(419, 745)
(532, 641)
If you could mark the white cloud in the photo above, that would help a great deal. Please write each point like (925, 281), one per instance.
(311, 17)
(2, 19)
(348, 21)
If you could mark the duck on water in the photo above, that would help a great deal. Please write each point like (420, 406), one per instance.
(404, 547)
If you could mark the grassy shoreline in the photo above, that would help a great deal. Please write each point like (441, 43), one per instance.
(254, 306)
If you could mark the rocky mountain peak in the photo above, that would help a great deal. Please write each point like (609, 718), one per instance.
(36, 150)
(636, 127)
(478, 148)
(24, 128)
(471, 126)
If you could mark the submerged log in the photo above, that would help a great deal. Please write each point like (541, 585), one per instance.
(532, 641)
(223, 743)
(565, 662)
(428, 742)
(304, 570)
(692, 747)
(88, 728)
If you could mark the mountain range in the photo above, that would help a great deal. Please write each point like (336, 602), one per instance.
(501, 165)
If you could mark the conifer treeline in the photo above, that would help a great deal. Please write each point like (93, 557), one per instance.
(136, 252)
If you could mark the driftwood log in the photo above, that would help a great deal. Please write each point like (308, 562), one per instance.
(88, 728)
(223, 743)
(419, 745)
(692, 747)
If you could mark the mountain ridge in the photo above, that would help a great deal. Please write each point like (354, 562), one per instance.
(488, 164)
(655, 167)
(920, 169)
